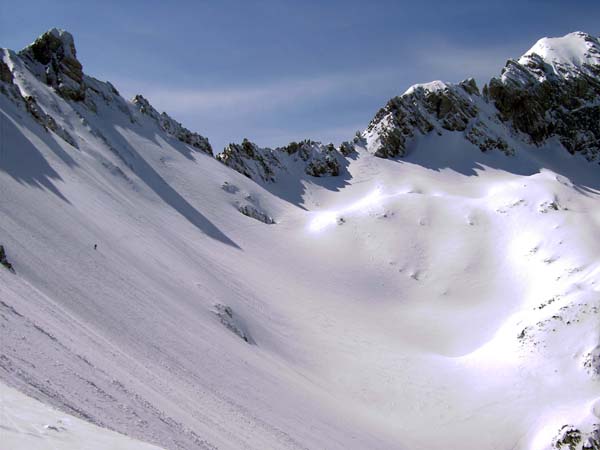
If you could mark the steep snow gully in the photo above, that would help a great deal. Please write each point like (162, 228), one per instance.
(432, 284)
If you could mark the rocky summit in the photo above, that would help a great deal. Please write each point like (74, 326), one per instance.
(552, 91)
(53, 58)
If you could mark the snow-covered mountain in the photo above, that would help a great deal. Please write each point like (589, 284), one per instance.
(431, 284)
(550, 92)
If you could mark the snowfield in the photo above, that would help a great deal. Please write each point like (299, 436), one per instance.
(28, 424)
(446, 300)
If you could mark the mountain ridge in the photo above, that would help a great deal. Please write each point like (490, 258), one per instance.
(305, 296)
(525, 103)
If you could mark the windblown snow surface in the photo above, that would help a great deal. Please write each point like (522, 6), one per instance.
(29, 424)
(448, 300)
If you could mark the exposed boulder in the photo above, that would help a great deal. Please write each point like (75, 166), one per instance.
(255, 213)
(230, 188)
(232, 322)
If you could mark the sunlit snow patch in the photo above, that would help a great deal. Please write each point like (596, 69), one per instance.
(325, 218)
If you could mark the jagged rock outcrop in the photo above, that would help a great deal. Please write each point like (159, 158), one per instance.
(263, 164)
(6, 75)
(425, 108)
(47, 121)
(250, 160)
(321, 160)
(256, 213)
(551, 91)
(592, 362)
(347, 148)
(232, 322)
(572, 438)
(171, 126)
(29, 103)
(554, 90)
(53, 58)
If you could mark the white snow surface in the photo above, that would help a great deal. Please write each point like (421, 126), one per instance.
(448, 300)
(432, 86)
(567, 55)
(26, 424)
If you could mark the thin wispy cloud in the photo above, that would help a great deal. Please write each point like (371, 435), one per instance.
(247, 99)
(227, 112)
(452, 62)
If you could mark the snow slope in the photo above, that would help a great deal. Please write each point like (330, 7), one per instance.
(28, 424)
(565, 56)
(447, 300)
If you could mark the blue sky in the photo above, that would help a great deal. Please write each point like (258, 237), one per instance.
(281, 70)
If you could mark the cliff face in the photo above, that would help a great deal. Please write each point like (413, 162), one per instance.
(433, 107)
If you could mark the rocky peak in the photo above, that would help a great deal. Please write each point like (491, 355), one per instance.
(55, 55)
(424, 108)
(554, 90)
(558, 58)
(52, 58)
(54, 43)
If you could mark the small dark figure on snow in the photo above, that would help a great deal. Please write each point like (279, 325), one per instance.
(4, 261)
(95, 246)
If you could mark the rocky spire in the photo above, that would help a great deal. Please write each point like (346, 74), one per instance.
(55, 56)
